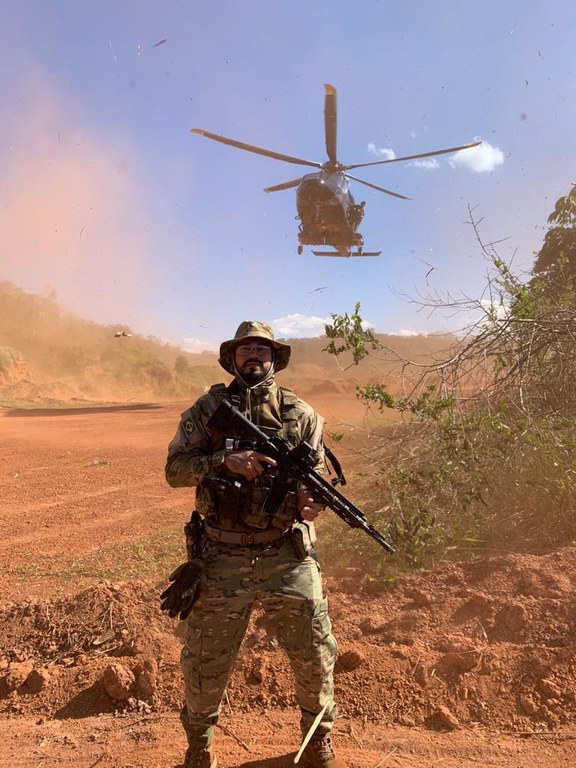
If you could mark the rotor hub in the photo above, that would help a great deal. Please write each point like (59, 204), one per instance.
(332, 167)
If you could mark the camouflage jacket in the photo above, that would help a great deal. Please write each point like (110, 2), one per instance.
(196, 453)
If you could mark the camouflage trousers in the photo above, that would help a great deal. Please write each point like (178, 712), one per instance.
(296, 611)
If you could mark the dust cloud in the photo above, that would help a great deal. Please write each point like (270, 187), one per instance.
(71, 214)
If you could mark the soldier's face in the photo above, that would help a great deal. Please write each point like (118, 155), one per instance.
(253, 359)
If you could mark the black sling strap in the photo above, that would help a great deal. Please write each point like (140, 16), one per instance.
(336, 466)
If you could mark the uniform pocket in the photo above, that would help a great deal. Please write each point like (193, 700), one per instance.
(303, 538)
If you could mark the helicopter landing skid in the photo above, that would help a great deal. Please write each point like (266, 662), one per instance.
(347, 254)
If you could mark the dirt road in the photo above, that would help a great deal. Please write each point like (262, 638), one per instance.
(470, 664)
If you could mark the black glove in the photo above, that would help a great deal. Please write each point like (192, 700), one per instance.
(180, 596)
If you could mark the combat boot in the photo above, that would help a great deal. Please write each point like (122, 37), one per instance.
(319, 753)
(200, 757)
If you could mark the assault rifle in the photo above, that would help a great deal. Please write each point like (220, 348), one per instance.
(294, 465)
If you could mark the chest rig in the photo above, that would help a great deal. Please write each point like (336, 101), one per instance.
(230, 501)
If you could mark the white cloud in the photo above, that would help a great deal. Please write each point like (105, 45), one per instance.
(486, 314)
(299, 326)
(384, 153)
(495, 310)
(197, 345)
(481, 159)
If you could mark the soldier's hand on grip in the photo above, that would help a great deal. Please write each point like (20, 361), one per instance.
(180, 596)
(307, 507)
(248, 463)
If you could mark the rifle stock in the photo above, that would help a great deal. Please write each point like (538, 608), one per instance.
(294, 465)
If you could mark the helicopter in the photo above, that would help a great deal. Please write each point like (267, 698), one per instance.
(327, 211)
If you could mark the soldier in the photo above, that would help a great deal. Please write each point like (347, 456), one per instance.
(248, 556)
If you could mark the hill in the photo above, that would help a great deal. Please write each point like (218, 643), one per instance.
(49, 353)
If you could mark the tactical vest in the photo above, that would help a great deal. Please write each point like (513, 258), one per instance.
(238, 503)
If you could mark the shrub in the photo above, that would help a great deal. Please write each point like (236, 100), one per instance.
(487, 459)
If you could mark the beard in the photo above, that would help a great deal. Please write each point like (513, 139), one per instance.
(253, 372)
(253, 375)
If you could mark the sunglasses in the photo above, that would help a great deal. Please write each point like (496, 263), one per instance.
(260, 349)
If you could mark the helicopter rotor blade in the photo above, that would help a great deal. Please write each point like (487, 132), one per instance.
(414, 157)
(286, 185)
(256, 150)
(380, 189)
(330, 124)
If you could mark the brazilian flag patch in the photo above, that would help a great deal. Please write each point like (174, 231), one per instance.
(189, 426)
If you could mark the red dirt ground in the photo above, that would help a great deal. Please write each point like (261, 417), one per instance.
(465, 665)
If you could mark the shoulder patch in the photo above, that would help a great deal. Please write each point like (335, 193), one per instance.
(189, 426)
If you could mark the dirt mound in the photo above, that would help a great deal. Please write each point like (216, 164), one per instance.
(61, 650)
(489, 642)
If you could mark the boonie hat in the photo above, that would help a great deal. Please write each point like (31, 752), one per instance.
(254, 329)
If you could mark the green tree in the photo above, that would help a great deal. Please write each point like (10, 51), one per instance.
(557, 258)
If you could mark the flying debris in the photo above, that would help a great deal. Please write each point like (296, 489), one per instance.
(160, 42)
(120, 334)
(328, 213)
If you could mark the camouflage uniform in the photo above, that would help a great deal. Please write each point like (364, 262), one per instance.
(264, 567)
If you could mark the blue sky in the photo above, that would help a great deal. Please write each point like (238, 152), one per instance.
(107, 198)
